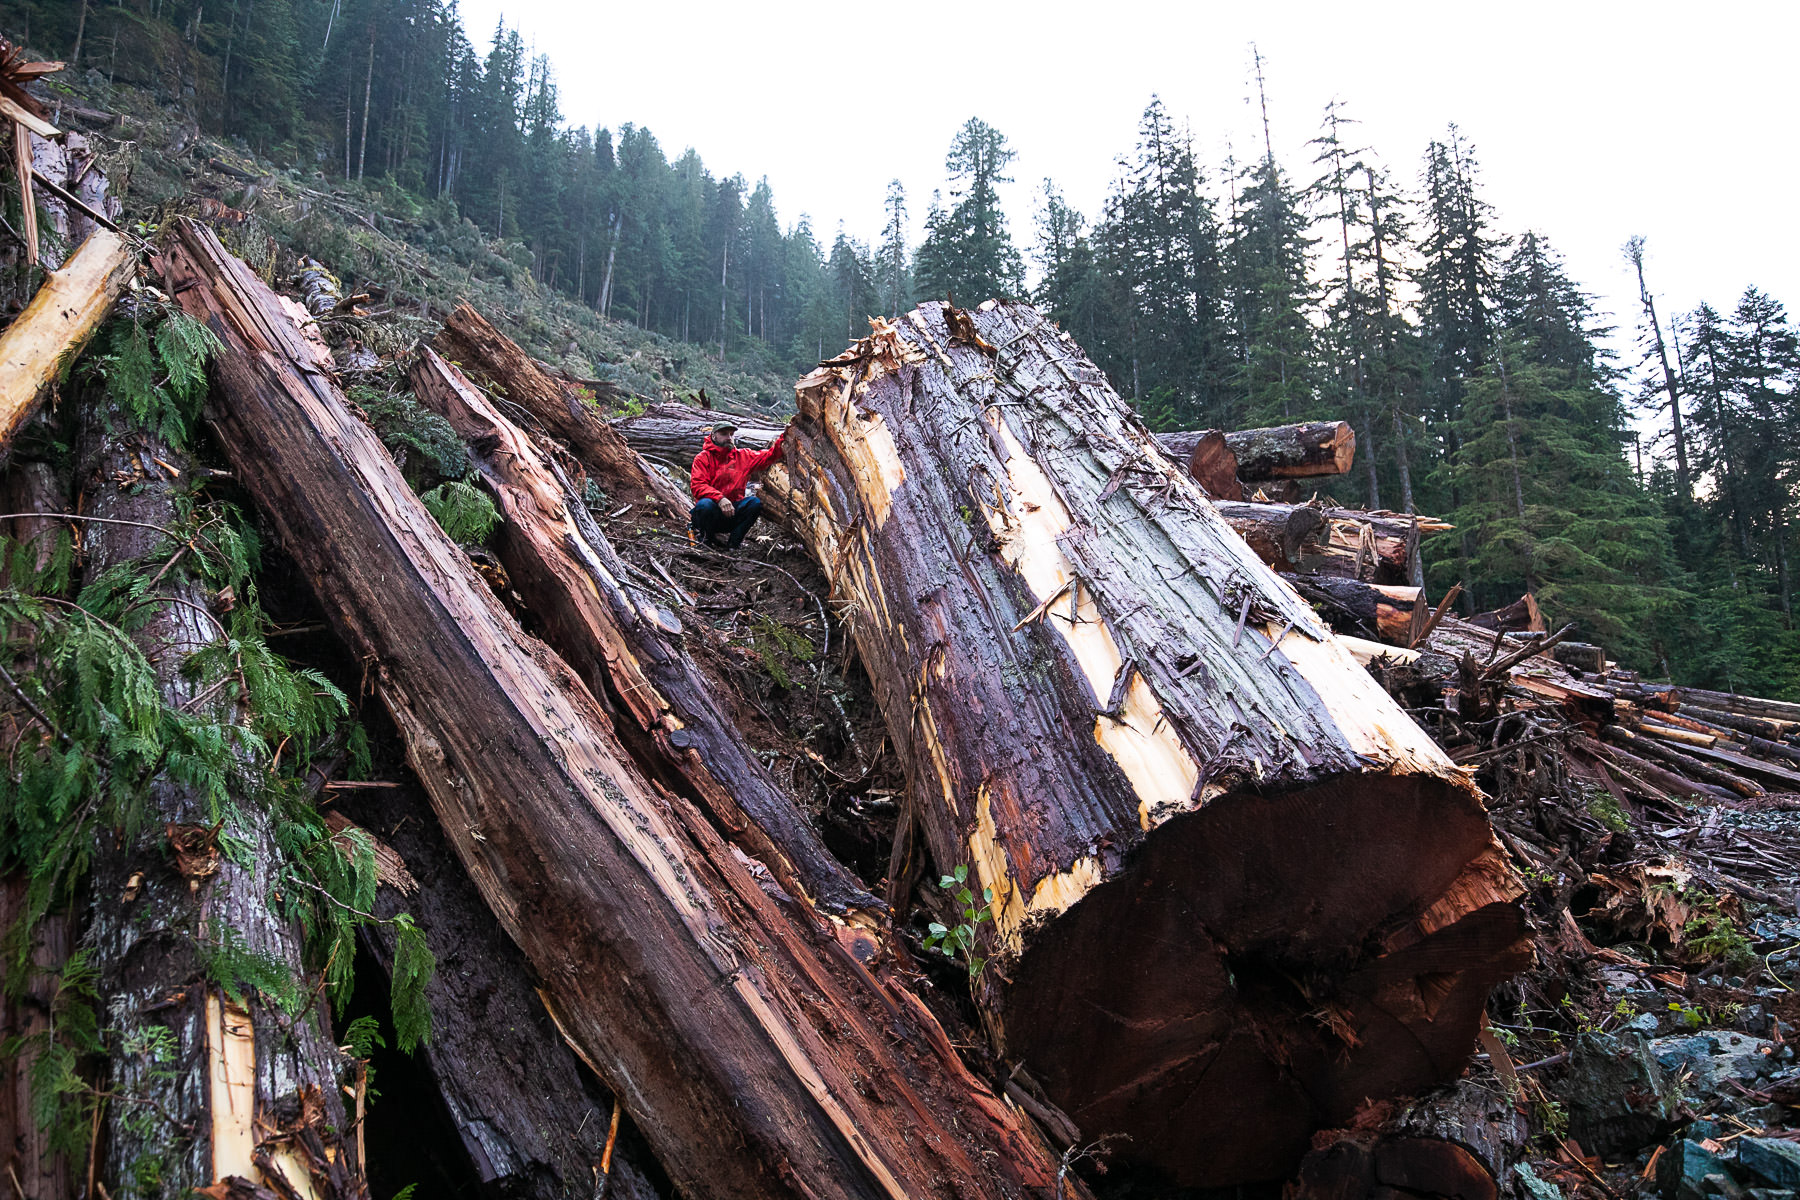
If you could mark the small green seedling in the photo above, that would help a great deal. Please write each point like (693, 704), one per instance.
(960, 939)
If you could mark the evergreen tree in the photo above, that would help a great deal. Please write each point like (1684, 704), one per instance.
(896, 286)
(967, 253)
(1158, 246)
(1269, 299)
(1070, 289)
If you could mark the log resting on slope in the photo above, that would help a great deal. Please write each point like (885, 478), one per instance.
(469, 340)
(625, 647)
(238, 1076)
(759, 1057)
(1236, 888)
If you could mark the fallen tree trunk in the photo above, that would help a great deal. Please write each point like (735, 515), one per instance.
(623, 645)
(531, 1117)
(1302, 451)
(246, 1090)
(1392, 613)
(57, 322)
(1375, 547)
(486, 354)
(1235, 888)
(758, 1056)
(1457, 1144)
(674, 433)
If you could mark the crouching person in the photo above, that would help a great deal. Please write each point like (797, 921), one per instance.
(721, 471)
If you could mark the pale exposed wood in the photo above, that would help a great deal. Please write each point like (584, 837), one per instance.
(18, 114)
(1393, 613)
(59, 319)
(1169, 772)
(758, 1058)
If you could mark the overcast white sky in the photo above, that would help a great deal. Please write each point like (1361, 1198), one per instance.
(1592, 121)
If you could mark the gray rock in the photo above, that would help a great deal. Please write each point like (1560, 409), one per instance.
(1713, 1057)
(1771, 1160)
(1682, 1171)
(1616, 1093)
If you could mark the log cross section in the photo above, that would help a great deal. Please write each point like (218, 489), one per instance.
(758, 1057)
(1236, 888)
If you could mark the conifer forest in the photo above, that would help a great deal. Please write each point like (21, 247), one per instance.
(1264, 689)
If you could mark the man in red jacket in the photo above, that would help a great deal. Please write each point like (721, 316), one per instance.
(720, 472)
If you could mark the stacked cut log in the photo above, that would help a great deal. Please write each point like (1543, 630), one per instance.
(760, 1056)
(1236, 890)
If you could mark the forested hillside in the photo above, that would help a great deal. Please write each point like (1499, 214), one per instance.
(1643, 498)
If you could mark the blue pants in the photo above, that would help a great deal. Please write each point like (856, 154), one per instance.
(708, 519)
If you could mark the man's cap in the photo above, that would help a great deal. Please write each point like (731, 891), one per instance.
(725, 427)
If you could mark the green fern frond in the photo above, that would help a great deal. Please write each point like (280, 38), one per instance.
(464, 512)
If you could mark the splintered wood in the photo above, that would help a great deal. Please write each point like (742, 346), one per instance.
(1236, 889)
(757, 1056)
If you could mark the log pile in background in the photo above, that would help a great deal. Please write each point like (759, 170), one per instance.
(761, 1058)
(1236, 889)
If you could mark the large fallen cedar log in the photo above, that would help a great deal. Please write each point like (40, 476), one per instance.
(245, 1089)
(759, 1057)
(1303, 451)
(470, 341)
(1236, 890)
(622, 644)
(531, 1118)
(57, 322)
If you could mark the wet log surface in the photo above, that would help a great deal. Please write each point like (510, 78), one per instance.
(1301, 451)
(759, 1056)
(626, 647)
(235, 1078)
(532, 1118)
(1236, 889)
(490, 357)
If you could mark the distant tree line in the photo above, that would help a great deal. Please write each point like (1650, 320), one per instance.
(1470, 364)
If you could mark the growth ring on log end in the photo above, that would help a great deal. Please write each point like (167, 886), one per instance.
(1236, 889)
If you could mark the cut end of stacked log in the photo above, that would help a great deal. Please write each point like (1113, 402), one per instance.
(1236, 889)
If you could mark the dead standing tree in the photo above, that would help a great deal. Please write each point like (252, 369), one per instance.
(758, 1055)
(1236, 889)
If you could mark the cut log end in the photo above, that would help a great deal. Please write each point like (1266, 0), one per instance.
(1267, 964)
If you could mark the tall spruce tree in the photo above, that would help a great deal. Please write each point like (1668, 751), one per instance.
(896, 283)
(967, 253)
(1269, 300)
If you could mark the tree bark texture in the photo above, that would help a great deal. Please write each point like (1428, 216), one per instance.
(57, 322)
(1392, 613)
(1375, 547)
(232, 1091)
(1459, 1143)
(1302, 451)
(626, 647)
(532, 1118)
(759, 1057)
(674, 433)
(489, 356)
(1235, 888)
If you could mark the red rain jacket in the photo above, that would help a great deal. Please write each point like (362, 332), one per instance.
(721, 474)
